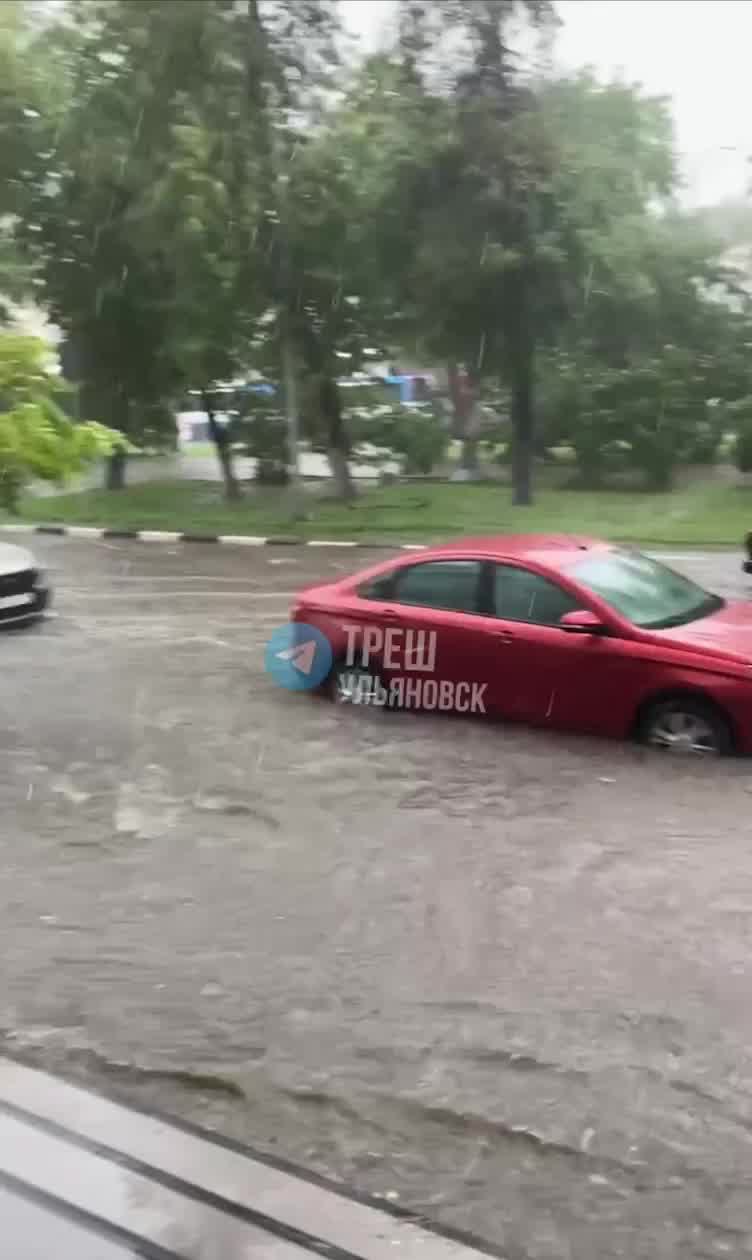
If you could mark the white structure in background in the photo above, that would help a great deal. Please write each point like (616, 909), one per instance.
(193, 423)
(739, 257)
(32, 321)
(193, 426)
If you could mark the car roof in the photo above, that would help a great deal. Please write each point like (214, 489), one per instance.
(555, 550)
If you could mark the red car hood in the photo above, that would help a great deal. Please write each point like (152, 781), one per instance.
(726, 633)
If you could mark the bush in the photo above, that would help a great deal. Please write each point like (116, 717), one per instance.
(421, 440)
(589, 433)
(704, 444)
(417, 436)
(263, 432)
(37, 438)
(654, 454)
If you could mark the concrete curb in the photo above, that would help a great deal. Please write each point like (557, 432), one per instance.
(291, 540)
(235, 540)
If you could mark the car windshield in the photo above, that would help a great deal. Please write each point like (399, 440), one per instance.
(647, 593)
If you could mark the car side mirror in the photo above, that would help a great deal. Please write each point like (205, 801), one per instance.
(582, 622)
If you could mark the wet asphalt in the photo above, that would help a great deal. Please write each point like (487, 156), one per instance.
(499, 974)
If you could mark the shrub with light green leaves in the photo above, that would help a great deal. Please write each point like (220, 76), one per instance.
(37, 439)
(417, 436)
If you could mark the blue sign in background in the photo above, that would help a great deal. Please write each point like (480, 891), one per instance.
(311, 658)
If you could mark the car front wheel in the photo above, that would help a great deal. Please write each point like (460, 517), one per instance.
(354, 684)
(685, 724)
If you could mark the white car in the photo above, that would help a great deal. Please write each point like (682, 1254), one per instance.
(24, 592)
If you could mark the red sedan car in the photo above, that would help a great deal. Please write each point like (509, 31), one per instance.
(552, 630)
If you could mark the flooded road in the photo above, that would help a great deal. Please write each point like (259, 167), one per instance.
(500, 974)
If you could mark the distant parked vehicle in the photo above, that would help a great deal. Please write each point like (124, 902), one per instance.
(193, 422)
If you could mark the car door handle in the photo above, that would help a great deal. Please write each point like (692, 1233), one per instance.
(504, 636)
(392, 616)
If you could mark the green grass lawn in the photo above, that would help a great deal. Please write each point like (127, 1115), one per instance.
(703, 513)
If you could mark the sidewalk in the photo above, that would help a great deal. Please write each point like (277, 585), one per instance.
(199, 467)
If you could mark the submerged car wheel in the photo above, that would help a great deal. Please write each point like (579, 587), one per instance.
(353, 684)
(684, 724)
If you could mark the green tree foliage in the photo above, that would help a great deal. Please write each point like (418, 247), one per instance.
(18, 100)
(655, 330)
(201, 189)
(649, 414)
(159, 227)
(84, 159)
(349, 182)
(487, 254)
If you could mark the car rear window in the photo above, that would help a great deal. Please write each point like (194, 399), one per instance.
(378, 587)
(448, 584)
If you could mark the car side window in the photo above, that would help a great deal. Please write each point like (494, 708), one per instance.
(448, 584)
(379, 587)
(521, 595)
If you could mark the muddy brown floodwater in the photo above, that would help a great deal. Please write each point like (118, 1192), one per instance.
(501, 974)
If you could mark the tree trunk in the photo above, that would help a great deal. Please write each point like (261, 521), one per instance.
(522, 424)
(455, 393)
(292, 418)
(470, 457)
(520, 346)
(464, 425)
(223, 448)
(338, 447)
(116, 466)
(10, 490)
(343, 482)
